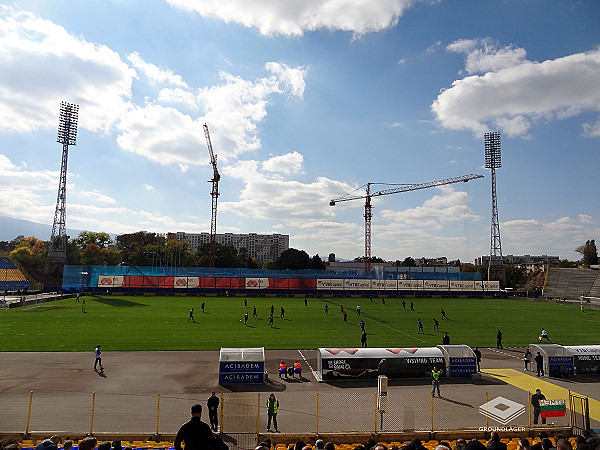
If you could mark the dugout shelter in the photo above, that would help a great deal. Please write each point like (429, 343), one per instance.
(242, 365)
(586, 359)
(370, 363)
(460, 360)
(558, 360)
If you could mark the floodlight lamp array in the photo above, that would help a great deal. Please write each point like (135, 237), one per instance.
(67, 123)
(493, 158)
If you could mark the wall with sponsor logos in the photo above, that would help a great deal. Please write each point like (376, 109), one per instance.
(319, 284)
(205, 279)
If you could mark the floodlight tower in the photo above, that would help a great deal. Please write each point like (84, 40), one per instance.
(493, 161)
(67, 135)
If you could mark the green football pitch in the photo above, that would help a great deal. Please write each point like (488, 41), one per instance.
(161, 323)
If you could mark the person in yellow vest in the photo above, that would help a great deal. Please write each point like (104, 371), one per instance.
(298, 369)
(435, 377)
(272, 406)
(282, 369)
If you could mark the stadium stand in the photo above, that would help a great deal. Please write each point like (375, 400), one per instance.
(595, 290)
(11, 278)
(571, 283)
(512, 444)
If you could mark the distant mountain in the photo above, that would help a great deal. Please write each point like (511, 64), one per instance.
(11, 228)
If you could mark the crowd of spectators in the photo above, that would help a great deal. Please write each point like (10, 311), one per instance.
(584, 441)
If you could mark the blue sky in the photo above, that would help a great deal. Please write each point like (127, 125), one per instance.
(305, 102)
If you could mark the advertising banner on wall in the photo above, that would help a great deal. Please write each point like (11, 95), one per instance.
(257, 283)
(435, 285)
(410, 285)
(460, 285)
(357, 285)
(491, 285)
(186, 282)
(384, 285)
(330, 284)
(111, 280)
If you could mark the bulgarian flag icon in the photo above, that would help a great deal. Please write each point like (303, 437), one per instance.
(553, 408)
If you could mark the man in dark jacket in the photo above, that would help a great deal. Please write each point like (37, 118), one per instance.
(213, 410)
(197, 435)
(539, 362)
(495, 443)
(535, 402)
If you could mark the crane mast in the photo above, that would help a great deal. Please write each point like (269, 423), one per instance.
(215, 195)
(404, 188)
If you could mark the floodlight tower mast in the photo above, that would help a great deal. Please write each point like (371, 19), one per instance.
(67, 135)
(215, 195)
(404, 188)
(493, 161)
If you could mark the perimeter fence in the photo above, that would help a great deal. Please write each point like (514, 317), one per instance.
(337, 411)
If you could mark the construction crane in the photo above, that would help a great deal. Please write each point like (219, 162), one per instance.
(215, 195)
(404, 188)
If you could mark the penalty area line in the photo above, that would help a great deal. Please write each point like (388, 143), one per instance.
(398, 331)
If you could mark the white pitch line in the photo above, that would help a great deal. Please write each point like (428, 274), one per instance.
(398, 331)
(309, 366)
(503, 353)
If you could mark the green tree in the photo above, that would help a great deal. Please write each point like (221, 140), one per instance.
(515, 276)
(316, 263)
(589, 252)
(93, 255)
(409, 262)
(331, 257)
(30, 252)
(468, 267)
(85, 238)
(293, 259)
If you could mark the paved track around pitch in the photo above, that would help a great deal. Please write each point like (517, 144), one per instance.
(63, 383)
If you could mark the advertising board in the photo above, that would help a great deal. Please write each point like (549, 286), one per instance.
(186, 282)
(357, 285)
(435, 285)
(384, 285)
(111, 280)
(330, 284)
(410, 285)
(257, 283)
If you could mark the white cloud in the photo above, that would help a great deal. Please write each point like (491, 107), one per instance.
(148, 187)
(163, 135)
(178, 97)
(485, 55)
(293, 18)
(566, 233)
(591, 130)
(232, 110)
(95, 196)
(42, 65)
(287, 164)
(30, 195)
(155, 73)
(278, 199)
(513, 98)
(449, 206)
(23, 192)
(293, 77)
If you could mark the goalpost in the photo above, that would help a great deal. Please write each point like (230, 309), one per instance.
(34, 305)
